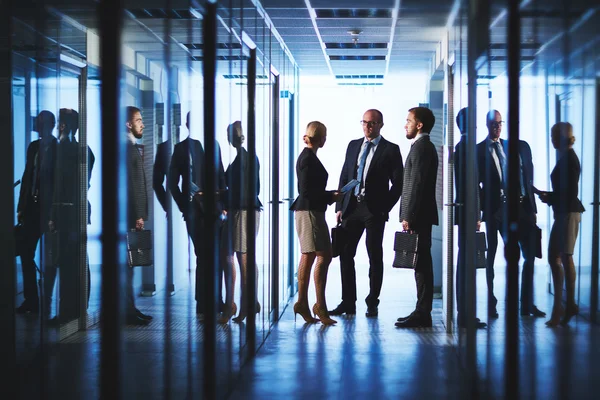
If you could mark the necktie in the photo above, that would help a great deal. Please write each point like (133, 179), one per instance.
(361, 168)
(504, 168)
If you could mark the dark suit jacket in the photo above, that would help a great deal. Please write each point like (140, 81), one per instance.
(565, 184)
(312, 181)
(67, 188)
(136, 186)
(418, 206)
(160, 172)
(460, 169)
(386, 166)
(237, 178)
(181, 170)
(45, 164)
(489, 179)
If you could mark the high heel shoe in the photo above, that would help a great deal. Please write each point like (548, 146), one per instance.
(555, 319)
(323, 315)
(225, 317)
(304, 313)
(570, 312)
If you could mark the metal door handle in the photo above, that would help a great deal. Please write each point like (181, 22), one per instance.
(454, 204)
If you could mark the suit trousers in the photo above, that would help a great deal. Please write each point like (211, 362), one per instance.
(69, 290)
(195, 228)
(359, 220)
(424, 272)
(31, 237)
(527, 244)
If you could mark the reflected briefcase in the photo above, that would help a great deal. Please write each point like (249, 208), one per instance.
(405, 248)
(139, 248)
(338, 239)
(481, 248)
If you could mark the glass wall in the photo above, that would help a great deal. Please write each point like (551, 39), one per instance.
(150, 180)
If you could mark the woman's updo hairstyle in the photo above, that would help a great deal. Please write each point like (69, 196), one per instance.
(315, 131)
(562, 133)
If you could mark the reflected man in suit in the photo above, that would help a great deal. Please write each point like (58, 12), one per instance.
(137, 209)
(418, 209)
(375, 163)
(35, 201)
(161, 170)
(460, 170)
(188, 167)
(492, 156)
(65, 219)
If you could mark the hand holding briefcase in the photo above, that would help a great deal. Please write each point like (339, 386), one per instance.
(139, 248)
(406, 244)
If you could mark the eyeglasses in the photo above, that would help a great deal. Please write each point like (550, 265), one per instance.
(370, 123)
(497, 124)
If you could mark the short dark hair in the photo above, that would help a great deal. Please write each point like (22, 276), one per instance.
(70, 118)
(462, 119)
(425, 116)
(130, 112)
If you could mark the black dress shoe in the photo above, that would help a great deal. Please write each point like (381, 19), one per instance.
(141, 315)
(478, 324)
(136, 320)
(372, 312)
(343, 309)
(415, 321)
(402, 319)
(27, 308)
(535, 312)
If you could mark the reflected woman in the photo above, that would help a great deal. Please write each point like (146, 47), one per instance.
(567, 216)
(312, 229)
(239, 204)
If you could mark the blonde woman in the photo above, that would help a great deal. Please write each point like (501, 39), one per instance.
(312, 229)
(567, 215)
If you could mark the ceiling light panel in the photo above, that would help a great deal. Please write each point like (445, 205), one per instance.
(324, 13)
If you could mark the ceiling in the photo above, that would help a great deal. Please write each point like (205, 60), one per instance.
(327, 38)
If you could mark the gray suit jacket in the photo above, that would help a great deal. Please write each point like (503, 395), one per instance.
(136, 186)
(418, 205)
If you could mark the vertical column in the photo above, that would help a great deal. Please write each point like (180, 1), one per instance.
(111, 20)
(275, 203)
(512, 252)
(8, 360)
(251, 228)
(209, 65)
(83, 201)
(596, 214)
(470, 204)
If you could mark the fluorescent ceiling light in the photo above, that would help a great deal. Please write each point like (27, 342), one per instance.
(72, 60)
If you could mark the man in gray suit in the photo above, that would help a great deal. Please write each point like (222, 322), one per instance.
(418, 208)
(137, 207)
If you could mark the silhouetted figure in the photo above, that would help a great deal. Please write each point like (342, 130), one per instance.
(65, 223)
(567, 215)
(239, 202)
(35, 201)
(460, 170)
(188, 167)
(492, 164)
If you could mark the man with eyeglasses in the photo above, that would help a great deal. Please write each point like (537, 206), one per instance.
(371, 164)
(492, 162)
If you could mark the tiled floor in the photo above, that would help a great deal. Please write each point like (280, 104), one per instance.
(355, 359)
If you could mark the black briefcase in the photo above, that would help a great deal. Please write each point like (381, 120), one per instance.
(481, 248)
(139, 248)
(405, 248)
(538, 242)
(339, 236)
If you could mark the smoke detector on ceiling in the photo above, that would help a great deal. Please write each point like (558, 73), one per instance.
(354, 35)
